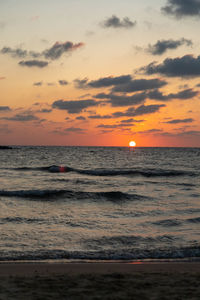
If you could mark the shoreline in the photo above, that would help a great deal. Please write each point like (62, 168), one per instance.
(88, 281)
(75, 268)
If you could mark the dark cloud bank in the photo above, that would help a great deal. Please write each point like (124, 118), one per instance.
(4, 108)
(182, 95)
(186, 66)
(123, 83)
(75, 106)
(182, 8)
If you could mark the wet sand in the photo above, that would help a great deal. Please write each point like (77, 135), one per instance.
(177, 280)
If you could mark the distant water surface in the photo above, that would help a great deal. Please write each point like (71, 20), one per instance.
(99, 203)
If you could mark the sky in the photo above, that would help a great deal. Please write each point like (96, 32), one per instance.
(100, 73)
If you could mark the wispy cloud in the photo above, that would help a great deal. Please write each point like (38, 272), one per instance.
(139, 111)
(21, 118)
(69, 130)
(100, 117)
(113, 126)
(178, 121)
(150, 131)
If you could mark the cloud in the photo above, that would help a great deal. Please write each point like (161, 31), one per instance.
(100, 117)
(150, 131)
(112, 126)
(178, 121)
(58, 49)
(183, 133)
(62, 82)
(181, 8)
(139, 111)
(2, 78)
(39, 83)
(124, 100)
(139, 85)
(44, 110)
(186, 66)
(75, 106)
(81, 84)
(115, 22)
(21, 118)
(102, 82)
(52, 53)
(33, 63)
(74, 129)
(19, 53)
(81, 118)
(131, 121)
(182, 95)
(162, 46)
(68, 130)
(4, 108)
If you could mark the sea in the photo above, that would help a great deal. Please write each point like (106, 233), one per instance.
(99, 204)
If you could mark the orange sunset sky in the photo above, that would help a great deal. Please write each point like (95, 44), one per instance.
(100, 73)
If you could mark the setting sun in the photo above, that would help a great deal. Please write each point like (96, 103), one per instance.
(132, 144)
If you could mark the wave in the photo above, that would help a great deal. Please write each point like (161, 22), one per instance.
(175, 222)
(112, 172)
(194, 220)
(20, 220)
(126, 241)
(168, 222)
(118, 254)
(67, 194)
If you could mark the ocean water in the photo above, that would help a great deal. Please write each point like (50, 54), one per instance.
(99, 203)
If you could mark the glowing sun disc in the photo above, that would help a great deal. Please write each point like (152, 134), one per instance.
(132, 144)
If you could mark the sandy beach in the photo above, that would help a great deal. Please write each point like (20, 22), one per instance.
(169, 280)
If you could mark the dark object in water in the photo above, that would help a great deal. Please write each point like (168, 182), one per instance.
(5, 147)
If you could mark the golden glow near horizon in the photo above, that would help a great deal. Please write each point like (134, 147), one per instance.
(132, 144)
(70, 76)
